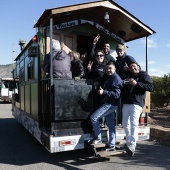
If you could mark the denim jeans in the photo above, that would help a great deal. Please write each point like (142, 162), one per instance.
(106, 110)
(131, 114)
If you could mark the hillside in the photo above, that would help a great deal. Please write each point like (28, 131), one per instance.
(5, 71)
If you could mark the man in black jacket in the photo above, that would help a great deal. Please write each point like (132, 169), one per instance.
(133, 100)
(105, 48)
(122, 61)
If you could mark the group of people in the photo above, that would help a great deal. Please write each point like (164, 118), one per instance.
(74, 64)
(124, 83)
(109, 87)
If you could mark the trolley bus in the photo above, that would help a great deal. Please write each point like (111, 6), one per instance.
(8, 88)
(56, 111)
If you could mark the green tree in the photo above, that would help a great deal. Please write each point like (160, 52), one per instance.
(161, 94)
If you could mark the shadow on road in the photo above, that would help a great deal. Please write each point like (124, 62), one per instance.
(19, 147)
(149, 155)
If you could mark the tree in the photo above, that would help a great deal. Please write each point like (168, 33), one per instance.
(161, 94)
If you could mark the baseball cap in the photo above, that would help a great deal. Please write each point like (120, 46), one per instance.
(120, 47)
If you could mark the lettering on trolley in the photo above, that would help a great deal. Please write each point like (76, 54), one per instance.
(81, 21)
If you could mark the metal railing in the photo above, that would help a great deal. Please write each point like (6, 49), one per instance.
(46, 103)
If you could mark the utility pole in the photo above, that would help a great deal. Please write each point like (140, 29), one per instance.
(13, 55)
(146, 54)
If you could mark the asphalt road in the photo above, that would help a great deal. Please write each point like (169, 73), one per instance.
(19, 150)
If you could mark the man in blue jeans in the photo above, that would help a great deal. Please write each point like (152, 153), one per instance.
(111, 93)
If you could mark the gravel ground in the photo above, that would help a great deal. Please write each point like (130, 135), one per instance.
(159, 122)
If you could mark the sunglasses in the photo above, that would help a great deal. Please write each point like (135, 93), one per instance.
(119, 50)
(101, 55)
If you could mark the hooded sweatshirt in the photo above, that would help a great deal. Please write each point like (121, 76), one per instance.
(61, 64)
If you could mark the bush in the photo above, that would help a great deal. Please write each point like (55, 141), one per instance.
(161, 94)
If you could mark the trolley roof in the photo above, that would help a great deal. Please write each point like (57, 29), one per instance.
(122, 23)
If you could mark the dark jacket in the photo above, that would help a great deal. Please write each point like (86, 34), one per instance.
(97, 71)
(136, 94)
(61, 64)
(77, 68)
(120, 62)
(112, 89)
(110, 58)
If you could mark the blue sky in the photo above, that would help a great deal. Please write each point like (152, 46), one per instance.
(18, 18)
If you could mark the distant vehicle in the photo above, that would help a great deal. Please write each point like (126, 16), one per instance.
(8, 88)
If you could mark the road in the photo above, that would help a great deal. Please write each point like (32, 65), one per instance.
(19, 150)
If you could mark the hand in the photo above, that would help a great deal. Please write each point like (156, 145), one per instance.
(132, 82)
(76, 78)
(100, 91)
(89, 65)
(96, 83)
(125, 67)
(96, 39)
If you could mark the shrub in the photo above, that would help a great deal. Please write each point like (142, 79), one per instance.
(161, 94)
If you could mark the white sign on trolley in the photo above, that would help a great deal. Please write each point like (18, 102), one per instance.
(79, 22)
